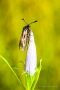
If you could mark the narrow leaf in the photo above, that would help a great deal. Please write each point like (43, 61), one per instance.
(36, 76)
(22, 62)
(18, 68)
(13, 72)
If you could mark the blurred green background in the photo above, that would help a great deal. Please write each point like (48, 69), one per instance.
(47, 39)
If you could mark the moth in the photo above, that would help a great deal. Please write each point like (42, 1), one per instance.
(24, 39)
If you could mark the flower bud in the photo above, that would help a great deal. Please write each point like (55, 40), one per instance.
(31, 58)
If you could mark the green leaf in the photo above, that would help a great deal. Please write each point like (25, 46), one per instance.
(36, 76)
(18, 68)
(22, 62)
(13, 72)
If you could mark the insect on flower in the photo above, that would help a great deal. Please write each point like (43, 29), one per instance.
(24, 39)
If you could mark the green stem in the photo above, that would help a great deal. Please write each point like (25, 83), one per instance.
(13, 72)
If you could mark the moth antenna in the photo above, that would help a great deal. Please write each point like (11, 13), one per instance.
(24, 20)
(33, 22)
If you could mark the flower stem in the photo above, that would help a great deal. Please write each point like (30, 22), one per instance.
(13, 72)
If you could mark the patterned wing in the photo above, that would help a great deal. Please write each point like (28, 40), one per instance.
(23, 40)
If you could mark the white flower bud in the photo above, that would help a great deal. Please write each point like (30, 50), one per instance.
(31, 58)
